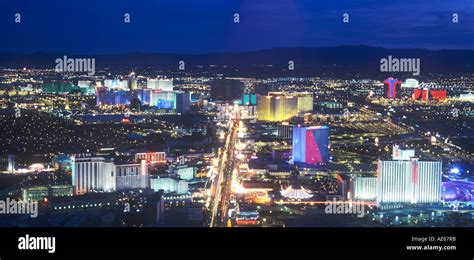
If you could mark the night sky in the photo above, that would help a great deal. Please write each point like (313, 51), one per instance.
(200, 26)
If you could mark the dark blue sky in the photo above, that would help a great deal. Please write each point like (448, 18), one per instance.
(199, 26)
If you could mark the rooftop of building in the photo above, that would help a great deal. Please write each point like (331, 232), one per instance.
(296, 192)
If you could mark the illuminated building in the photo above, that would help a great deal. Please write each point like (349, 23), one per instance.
(305, 102)
(61, 162)
(295, 192)
(124, 84)
(152, 84)
(169, 185)
(330, 104)
(345, 185)
(62, 87)
(408, 180)
(144, 95)
(248, 112)
(420, 94)
(226, 89)
(108, 97)
(365, 188)
(151, 157)
(247, 218)
(247, 106)
(93, 174)
(160, 84)
(276, 107)
(102, 174)
(163, 99)
(117, 84)
(84, 83)
(285, 130)
(38, 193)
(392, 88)
(248, 100)
(61, 190)
(34, 193)
(11, 163)
(133, 83)
(131, 176)
(438, 94)
(469, 97)
(280, 106)
(311, 144)
(175, 100)
(36, 167)
(185, 172)
(402, 154)
(410, 83)
(110, 83)
(425, 94)
(27, 88)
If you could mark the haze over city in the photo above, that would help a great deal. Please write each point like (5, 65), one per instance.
(186, 26)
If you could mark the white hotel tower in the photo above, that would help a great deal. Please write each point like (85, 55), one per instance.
(101, 174)
(405, 179)
(365, 188)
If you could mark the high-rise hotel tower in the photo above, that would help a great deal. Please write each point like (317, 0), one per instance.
(405, 179)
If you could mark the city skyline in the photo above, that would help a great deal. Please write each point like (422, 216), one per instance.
(326, 117)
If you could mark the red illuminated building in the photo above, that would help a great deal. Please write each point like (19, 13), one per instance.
(425, 94)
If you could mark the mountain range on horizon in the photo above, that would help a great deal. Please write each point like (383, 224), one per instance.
(359, 58)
